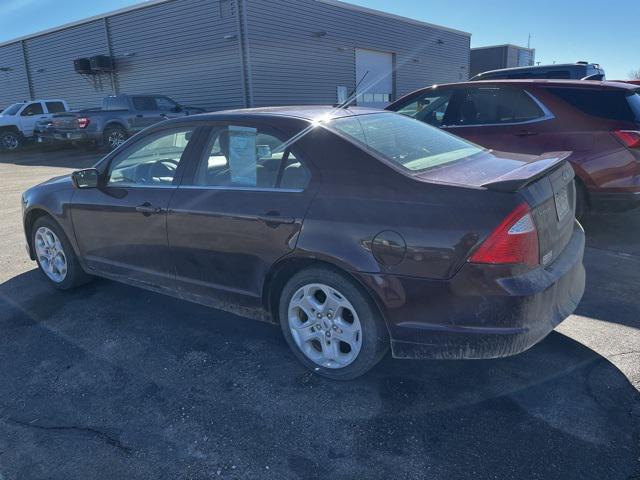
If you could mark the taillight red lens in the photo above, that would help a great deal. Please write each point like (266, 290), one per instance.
(630, 138)
(83, 122)
(515, 241)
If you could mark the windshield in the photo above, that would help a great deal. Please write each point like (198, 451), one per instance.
(12, 109)
(408, 143)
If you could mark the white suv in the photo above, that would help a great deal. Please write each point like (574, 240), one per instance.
(17, 122)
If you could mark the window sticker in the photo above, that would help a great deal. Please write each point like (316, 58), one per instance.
(243, 157)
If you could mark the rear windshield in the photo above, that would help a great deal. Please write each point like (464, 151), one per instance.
(609, 104)
(406, 142)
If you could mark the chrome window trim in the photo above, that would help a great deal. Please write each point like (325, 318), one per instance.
(241, 189)
(139, 185)
(547, 115)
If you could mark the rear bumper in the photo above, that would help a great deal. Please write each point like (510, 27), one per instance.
(614, 202)
(74, 136)
(481, 313)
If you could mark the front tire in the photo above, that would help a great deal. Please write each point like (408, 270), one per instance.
(10, 141)
(55, 256)
(331, 325)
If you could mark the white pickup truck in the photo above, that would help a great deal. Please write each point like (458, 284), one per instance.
(18, 121)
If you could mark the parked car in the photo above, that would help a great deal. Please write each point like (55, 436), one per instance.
(565, 71)
(120, 117)
(356, 229)
(598, 121)
(17, 121)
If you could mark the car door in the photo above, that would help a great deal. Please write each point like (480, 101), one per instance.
(120, 227)
(32, 113)
(146, 112)
(504, 118)
(238, 211)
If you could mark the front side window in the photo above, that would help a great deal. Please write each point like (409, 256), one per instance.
(246, 157)
(429, 107)
(407, 143)
(166, 104)
(496, 105)
(144, 103)
(32, 109)
(150, 162)
(55, 107)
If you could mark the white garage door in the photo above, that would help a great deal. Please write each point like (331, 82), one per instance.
(374, 77)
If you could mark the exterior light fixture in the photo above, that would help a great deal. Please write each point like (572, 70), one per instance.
(130, 54)
(230, 37)
(319, 34)
(440, 41)
(5, 69)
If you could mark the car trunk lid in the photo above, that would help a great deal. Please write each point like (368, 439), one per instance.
(545, 182)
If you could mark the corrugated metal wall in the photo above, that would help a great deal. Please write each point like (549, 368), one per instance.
(291, 63)
(193, 51)
(14, 85)
(178, 49)
(51, 65)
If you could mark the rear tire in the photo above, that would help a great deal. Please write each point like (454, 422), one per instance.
(113, 137)
(331, 324)
(55, 256)
(10, 141)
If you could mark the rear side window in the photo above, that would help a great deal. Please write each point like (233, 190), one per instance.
(55, 107)
(117, 103)
(247, 157)
(609, 104)
(410, 144)
(496, 105)
(144, 103)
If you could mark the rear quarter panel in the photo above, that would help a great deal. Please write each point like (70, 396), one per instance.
(360, 197)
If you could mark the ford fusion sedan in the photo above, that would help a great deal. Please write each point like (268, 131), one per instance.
(598, 121)
(355, 230)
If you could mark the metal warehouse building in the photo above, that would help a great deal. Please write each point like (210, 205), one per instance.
(496, 57)
(221, 54)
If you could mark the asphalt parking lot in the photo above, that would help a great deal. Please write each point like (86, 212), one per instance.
(113, 382)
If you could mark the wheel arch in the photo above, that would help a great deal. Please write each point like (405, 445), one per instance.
(285, 268)
(31, 217)
(10, 128)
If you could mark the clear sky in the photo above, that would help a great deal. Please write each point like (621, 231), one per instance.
(561, 30)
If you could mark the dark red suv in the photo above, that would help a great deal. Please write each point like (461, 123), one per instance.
(598, 121)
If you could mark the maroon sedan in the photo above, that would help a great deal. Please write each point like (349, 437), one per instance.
(356, 230)
(598, 121)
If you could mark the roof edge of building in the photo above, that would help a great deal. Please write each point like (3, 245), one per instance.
(380, 13)
(504, 45)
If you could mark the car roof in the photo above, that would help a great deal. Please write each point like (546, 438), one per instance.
(545, 83)
(304, 112)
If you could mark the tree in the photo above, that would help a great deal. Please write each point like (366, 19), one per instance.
(634, 74)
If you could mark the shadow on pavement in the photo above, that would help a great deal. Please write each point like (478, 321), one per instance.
(53, 156)
(114, 382)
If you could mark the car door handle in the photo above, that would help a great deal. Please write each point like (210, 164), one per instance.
(525, 133)
(275, 218)
(148, 209)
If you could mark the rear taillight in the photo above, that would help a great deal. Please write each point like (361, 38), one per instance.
(515, 241)
(630, 138)
(83, 122)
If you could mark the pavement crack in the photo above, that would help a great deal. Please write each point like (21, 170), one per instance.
(103, 436)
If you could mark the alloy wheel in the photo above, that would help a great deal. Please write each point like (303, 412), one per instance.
(51, 254)
(115, 139)
(10, 141)
(325, 326)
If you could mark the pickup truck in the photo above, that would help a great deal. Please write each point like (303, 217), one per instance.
(18, 121)
(120, 117)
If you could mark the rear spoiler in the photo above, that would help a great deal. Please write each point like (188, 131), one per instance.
(529, 173)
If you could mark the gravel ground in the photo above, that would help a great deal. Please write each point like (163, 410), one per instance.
(112, 382)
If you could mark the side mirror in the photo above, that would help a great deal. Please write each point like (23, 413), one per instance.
(87, 178)
(177, 109)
